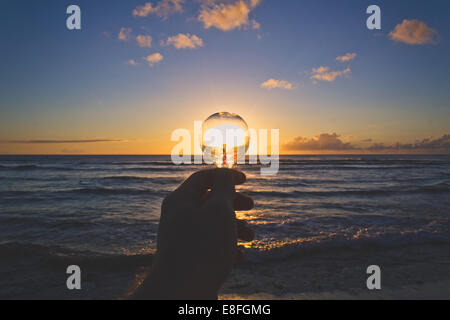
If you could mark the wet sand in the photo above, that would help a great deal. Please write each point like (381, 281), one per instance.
(413, 272)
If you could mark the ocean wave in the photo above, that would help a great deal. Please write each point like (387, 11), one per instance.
(158, 169)
(278, 250)
(296, 194)
(119, 191)
(42, 195)
(143, 163)
(157, 180)
(374, 192)
(19, 167)
(363, 161)
(34, 167)
(359, 167)
(438, 187)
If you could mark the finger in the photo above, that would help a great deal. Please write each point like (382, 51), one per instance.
(223, 188)
(205, 197)
(198, 183)
(244, 231)
(243, 202)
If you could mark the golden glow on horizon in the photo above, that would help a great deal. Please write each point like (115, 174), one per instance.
(145, 136)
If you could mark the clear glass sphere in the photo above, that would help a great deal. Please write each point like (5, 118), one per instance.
(225, 139)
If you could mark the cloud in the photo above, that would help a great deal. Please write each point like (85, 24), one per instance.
(144, 41)
(273, 84)
(61, 141)
(255, 25)
(333, 142)
(163, 9)
(132, 62)
(124, 34)
(320, 70)
(347, 57)
(184, 41)
(229, 16)
(441, 144)
(323, 73)
(324, 141)
(413, 32)
(153, 59)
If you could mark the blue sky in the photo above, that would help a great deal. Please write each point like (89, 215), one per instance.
(72, 85)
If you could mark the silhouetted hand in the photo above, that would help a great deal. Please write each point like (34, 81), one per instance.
(197, 237)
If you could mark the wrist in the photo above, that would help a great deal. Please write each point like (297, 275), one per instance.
(174, 281)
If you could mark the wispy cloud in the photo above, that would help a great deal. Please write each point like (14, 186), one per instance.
(413, 32)
(153, 59)
(324, 74)
(347, 57)
(132, 62)
(277, 84)
(61, 141)
(144, 41)
(125, 34)
(163, 9)
(184, 41)
(228, 16)
(427, 144)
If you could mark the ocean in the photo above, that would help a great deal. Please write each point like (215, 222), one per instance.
(319, 212)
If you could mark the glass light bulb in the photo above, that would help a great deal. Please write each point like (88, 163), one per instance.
(225, 139)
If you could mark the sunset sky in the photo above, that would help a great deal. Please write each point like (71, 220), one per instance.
(140, 69)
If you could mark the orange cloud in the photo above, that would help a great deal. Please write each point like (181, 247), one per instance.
(347, 57)
(413, 32)
(124, 34)
(184, 41)
(274, 84)
(323, 74)
(132, 62)
(230, 16)
(153, 59)
(163, 9)
(320, 70)
(144, 41)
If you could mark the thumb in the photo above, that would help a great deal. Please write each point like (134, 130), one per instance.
(223, 188)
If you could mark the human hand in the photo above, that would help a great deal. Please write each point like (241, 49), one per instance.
(197, 237)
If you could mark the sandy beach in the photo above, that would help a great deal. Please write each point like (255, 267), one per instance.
(414, 272)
